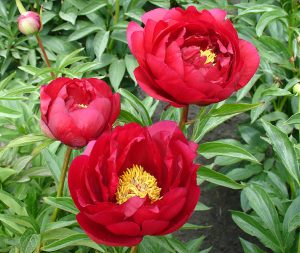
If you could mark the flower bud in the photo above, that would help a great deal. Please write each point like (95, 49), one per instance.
(29, 23)
(296, 89)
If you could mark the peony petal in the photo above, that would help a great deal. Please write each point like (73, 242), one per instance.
(131, 28)
(45, 101)
(155, 15)
(89, 148)
(45, 129)
(125, 228)
(218, 14)
(62, 126)
(76, 171)
(154, 227)
(101, 235)
(148, 86)
(116, 108)
(250, 57)
(54, 87)
(132, 205)
(92, 120)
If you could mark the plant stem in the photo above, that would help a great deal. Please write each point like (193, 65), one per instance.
(62, 180)
(20, 6)
(183, 118)
(117, 12)
(116, 20)
(134, 249)
(44, 53)
(299, 111)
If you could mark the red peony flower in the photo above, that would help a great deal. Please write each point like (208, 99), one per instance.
(76, 111)
(29, 23)
(190, 57)
(135, 181)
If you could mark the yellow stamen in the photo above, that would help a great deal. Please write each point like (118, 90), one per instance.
(210, 55)
(137, 182)
(82, 106)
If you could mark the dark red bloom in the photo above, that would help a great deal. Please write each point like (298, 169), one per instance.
(135, 181)
(190, 57)
(76, 111)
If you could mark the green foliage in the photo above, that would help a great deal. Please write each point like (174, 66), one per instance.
(89, 40)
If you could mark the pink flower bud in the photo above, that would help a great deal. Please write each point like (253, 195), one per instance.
(29, 23)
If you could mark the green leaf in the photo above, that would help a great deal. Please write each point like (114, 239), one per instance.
(258, 9)
(201, 207)
(5, 173)
(294, 119)
(100, 43)
(291, 217)
(251, 226)
(262, 204)
(69, 16)
(59, 224)
(189, 226)
(249, 247)
(13, 203)
(267, 18)
(116, 72)
(84, 31)
(228, 109)
(193, 246)
(24, 221)
(127, 117)
(243, 92)
(51, 163)
(284, 149)
(244, 173)
(26, 140)
(275, 92)
(29, 241)
(72, 240)
(6, 81)
(216, 148)
(63, 203)
(218, 178)
(137, 106)
(92, 7)
(131, 65)
(9, 113)
(69, 59)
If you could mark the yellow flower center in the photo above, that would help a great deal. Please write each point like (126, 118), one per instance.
(137, 182)
(210, 55)
(82, 106)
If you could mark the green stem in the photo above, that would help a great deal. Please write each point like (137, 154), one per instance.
(46, 59)
(184, 116)
(20, 6)
(116, 20)
(299, 111)
(134, 249)
(117, 12)
(61, 183)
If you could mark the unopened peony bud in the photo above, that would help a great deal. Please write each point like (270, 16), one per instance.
(29, 23)
(296, 89)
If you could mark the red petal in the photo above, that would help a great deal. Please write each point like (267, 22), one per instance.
(218, 14)
(131, 28)
(101, 235)
(155, 15)
(76, 172)
(154, 227)
(250, 57)
(62, 126)
(125, 228)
